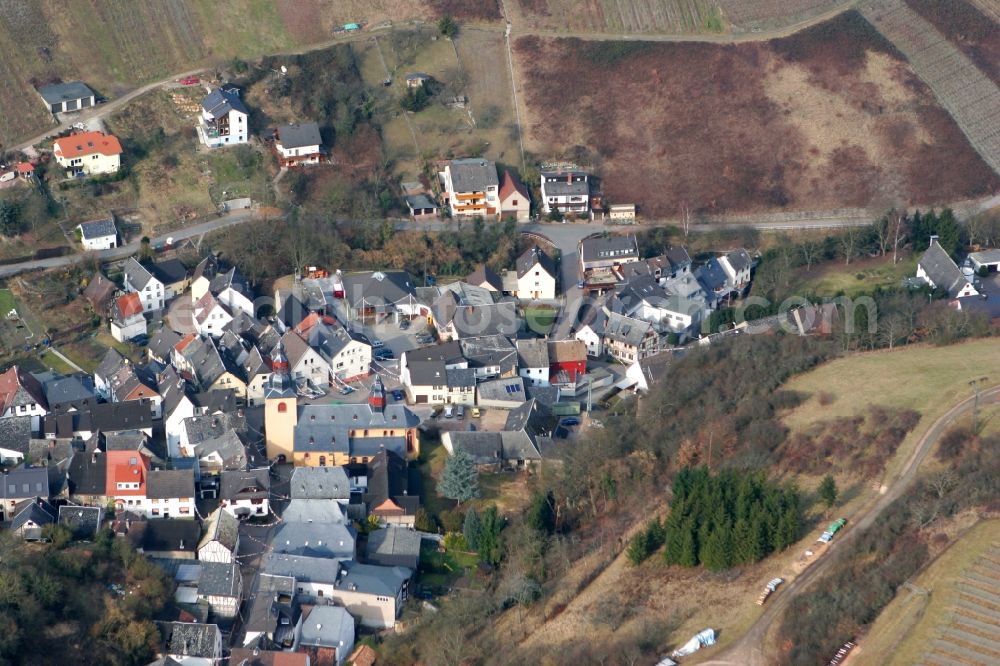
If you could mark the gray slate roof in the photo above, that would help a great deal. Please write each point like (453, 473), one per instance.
(219, 579)
(223, 527)
(61, 92)
(739, 260)
(251, 484)
(301, 568)
(609, 247)
(533, 256)
(942, 270)
(98, 229)
(626, 329)
(137, 275)
(473, 174)
(325, 627)
(26, 482)
(169, 483)
(394, 540)
(75, 389)
(510, 389)
(321, 483)
(220, 102)
(373, 579)
(378, 288)
(320, 511)
(299, 135)
(314, 540)
(533, 353)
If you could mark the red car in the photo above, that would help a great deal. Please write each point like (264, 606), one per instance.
(190, 81)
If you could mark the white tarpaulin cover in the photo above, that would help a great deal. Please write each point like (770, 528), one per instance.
(706, 637)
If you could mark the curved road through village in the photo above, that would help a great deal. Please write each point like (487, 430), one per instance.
(750, 649)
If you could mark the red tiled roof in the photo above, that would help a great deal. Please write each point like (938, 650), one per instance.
(129, 305)
(25, 167)
(121, 470)
(185, 341)
(87, 143)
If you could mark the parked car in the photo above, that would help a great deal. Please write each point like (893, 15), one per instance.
(449, 412)
(189, 81)
(581, 284)
(405, 324)
(476, 413)
(384, 355)
(398, 395)
(377, 344)
(571, 421)
(346, 390)
(460, 411)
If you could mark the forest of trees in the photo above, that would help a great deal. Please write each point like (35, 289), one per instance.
(728, 519)
(268, 249)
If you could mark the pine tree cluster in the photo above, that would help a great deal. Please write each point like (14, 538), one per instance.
(728, 519)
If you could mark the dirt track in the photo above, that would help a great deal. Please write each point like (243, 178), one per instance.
(750, 650)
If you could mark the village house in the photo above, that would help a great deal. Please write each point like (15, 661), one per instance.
(394, 546)
(374, 595)
(526, 434)
(30, 517)
(565, 191)
(335, 541)
(22, 395)
(567, 361)
(245, 493)
(471, 187)
(307, 366)
(535, 274)
(140, 279)
(69, 96)
(505, 393)
(320, 484)
(132, 384)
(23, 484)
(485, 277)
(298, 144)
(88, 153)
(627, 339)
(387, 491)
(98, 234)
(75, 391)
(273, 616)
(737, 265)
(220, 585)
(327, 635)
(163, 539)
(379, 295)
(515, 202)
(417, 79)
(169, 494)
(223, 119)
(533, 361)
(490, 356)
(939, 271)
(84, 522)
(99, 293)
(127, 319)
(607, 252)
(221, 540)
(210, 316)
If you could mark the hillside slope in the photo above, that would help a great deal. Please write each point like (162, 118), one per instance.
(114, 45)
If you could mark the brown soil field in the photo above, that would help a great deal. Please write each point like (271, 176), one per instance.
(968, 28)
(828, 118)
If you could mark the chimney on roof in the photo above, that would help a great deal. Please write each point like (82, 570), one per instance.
(934, 239)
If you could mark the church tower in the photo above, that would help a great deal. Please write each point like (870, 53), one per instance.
(280, 407)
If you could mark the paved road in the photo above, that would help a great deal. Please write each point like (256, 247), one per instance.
(192, 231)
(749, 650)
